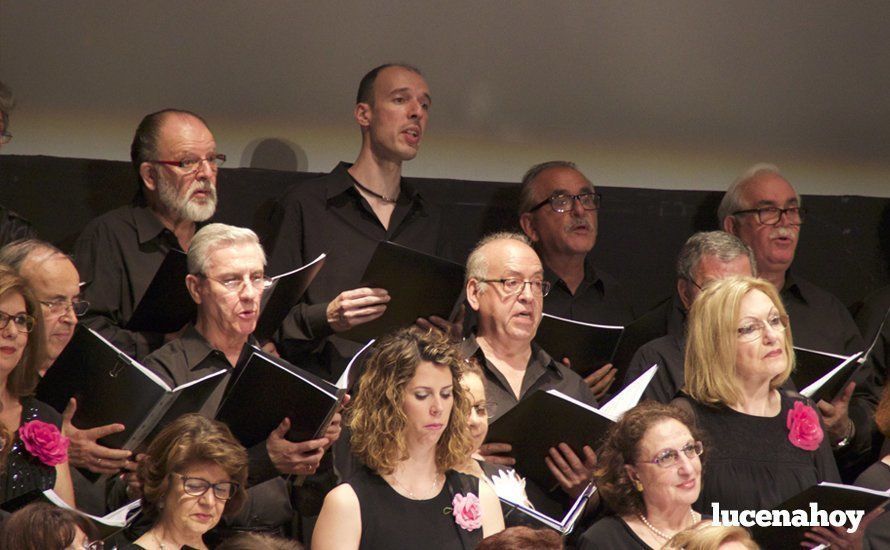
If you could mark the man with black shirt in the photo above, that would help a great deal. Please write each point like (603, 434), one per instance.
(346, 213)
(118, 253)
(558, 211)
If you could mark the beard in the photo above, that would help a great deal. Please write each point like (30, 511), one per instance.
(185, 207)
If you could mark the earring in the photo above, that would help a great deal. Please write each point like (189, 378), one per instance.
(638, 485)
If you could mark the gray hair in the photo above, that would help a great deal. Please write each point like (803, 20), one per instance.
(527, 193)
(477, 263)
(7, 103)
(724, 246)
(732, 199)
(17, 252)
(214, 236)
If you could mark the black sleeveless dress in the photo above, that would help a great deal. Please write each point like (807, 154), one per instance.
(390, 520)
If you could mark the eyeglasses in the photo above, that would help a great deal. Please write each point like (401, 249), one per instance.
(753, 329)
(192, 165)
(484, 409)
(771, 215)
(23, 322)
(515, 286)
(238, 284)
(87, 545)
(61, 307)
(670, 457)
(5, 138)
(196, 486)
(563, 203)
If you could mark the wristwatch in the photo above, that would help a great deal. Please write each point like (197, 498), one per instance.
(851, 431)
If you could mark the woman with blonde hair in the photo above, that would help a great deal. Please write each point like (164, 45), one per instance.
(768, 444)
(37, 458)
(409, 428)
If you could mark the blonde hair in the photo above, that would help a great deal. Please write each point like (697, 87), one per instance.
(377, 418)
(711, 537)
(23, 378)
(712, 340)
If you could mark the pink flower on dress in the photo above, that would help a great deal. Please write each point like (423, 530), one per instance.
(44, 441)
(467, 511)
(804, 430)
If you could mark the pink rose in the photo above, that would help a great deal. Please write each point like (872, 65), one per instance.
(467, 511)
(804, 430)
(45, 442)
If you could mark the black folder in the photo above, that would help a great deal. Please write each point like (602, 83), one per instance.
(419, 285)
(111, 387)
(520, 514)
(282, 296)
(107, 525)
(268, 389)
(588, 346)
(166, 305)
(828, 497)
(820, 375)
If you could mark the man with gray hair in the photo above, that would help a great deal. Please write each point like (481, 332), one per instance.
(705, 257)
(12, 226)
(558, 211)
(174, 156)
(764, 210)
(506, 288)
(226, 280)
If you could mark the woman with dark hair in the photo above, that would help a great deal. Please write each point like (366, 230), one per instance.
(768, 443)
(649, 474)
(38, 455)
(42, 526)
(194, 473)
(409, 428)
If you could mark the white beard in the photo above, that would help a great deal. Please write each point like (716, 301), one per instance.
(184, 207)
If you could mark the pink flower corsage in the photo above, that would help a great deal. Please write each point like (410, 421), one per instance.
(467, 511)
(804, 430)
(44, 441)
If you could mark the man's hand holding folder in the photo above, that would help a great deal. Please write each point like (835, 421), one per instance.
(572, 473)
(355, 307)
(301, 458)
(85, 452)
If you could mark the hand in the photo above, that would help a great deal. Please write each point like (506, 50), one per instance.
(357, 306)
(454, 330)
(84, 452)
(835, 414)
(599, 380)
(838, 537)
(269, 347)
(131, 477)
(572, 474)
(294, 458)
(494, 453)
(335, 428)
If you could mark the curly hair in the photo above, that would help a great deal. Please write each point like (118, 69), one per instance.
(190, 439)
(23, 378)
(377, 418)
(712, 340)
(621, 446)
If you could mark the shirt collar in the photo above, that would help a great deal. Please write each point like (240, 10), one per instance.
(590, 276)
(471, 348)
(197, 349)
(343, 183)
(792, 286)
(148, 226)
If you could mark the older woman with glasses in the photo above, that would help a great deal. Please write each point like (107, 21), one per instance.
(649, 476)
(768, 443)
(38, 457)
(194, 473)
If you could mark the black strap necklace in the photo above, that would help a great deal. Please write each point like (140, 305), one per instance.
(374, 193)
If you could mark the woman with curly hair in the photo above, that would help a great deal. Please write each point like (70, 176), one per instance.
(194, 473)
(649, 475)
(409, 428)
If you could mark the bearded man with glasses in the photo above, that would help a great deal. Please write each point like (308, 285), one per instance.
(765, 212)
(559, 212)
(175, 159)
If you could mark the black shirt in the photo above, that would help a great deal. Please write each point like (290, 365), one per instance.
(328, 215)
(611, 533)
(598, 299)
(14, 227)
(191, 357)
(819, 321)
(117, 256)
(667, 353)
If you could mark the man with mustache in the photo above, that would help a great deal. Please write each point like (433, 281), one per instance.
(175, 158)
(764, 211)
(346, 213)
(558, 211)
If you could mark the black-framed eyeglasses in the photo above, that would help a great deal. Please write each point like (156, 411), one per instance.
(238, 284)
(561, 202)
(196, 486)
(193, 164)
(61, 307)
(22, 322)
(485, 409)
(670, 457)
(752, 329)
(512, 285)
(772, 215)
